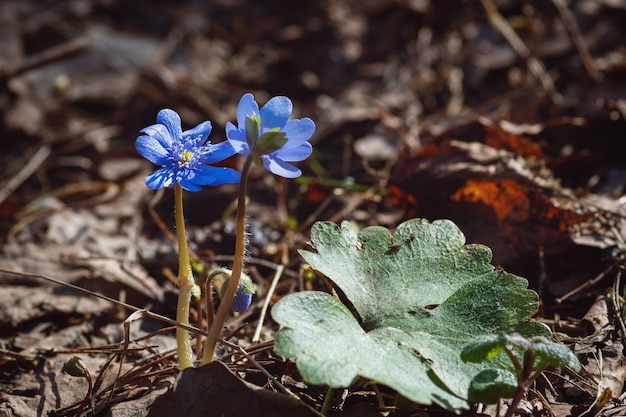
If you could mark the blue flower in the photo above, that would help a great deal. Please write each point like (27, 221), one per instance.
(183, 156)
(269, 136)
(243, 295)
(242, 301)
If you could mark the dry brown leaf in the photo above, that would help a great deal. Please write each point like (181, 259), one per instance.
(213, 390)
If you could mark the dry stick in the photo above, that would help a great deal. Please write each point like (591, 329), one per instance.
(83, 404)
(260, 347)
(543, 400)
(99, 381)
(136, 315)
(264, 371)
(586, 284)
(593, 409)
(266, 303)
(156, 316)
(129, 375)
(618, 305)
(534, 65)
(148, 313)
(48, 55)
(142, 311)
(27, 170)
(577, 38)
(109, 191)
(355, 203)
(316, 213)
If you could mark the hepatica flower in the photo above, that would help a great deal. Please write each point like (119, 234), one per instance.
(184, 157)
(245, 289)
(268, 136)
(243, 296)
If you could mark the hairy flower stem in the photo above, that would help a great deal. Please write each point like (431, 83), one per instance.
(185, 283)
(233, 282)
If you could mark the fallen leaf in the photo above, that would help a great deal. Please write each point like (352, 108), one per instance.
(213, 390)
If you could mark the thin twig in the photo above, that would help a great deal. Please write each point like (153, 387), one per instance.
(271, 377)
(577, 38)
(266, 303)
(586, 284)
(618, 304)
(355, 202)
(70, 47)
(131, 307)
(25, 172)
(535, 66)
(88, 397)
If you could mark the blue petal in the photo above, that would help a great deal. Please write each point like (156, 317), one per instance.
(237, 139)
(171, 120)
(280, 167)
(275, 113)
(217, 153)
(152, 149)
(294, 154)
(208, 175)
(246, 107)
(241, 302)
(298, 131)
(202, 130)
(189, 185)
(160, 133)
(160, 178)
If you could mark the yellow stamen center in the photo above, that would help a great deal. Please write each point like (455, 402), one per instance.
(186, 156)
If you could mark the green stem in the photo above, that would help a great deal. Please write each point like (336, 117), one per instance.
(328, 401)
(185, 283)
(233, 282)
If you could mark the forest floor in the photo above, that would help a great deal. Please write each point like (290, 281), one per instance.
(506, 117)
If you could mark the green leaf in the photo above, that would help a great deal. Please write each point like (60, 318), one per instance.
(421, 295)
(414, 271)
(554, 353)
(491, 347)
(333, 349)
(490, 385)
(483, 347)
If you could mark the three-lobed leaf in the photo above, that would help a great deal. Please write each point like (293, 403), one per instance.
(421, 295)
